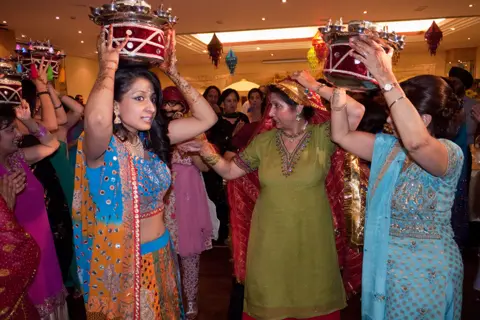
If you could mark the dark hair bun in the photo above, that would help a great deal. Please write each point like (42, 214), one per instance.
(441, 98)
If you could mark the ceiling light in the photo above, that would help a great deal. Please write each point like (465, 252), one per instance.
(58, 18)
(263, 19)
(468, 39)
(96, 51)
(271, 54)
(80, 31)
(365, 12)
(191, 43)
(258, 48)
(284, 1)
(81, 41)
(23, 36)
(470, 5)
(204, 51)
(4, 21)
(169, 9)
(305, 32)
(450, 62)
(452, 28)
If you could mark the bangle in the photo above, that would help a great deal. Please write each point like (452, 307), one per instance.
(210, 156)
(41, 92)
(391, 105)
(338, 108)
(319, 86)
(40, 132)
(59, 106)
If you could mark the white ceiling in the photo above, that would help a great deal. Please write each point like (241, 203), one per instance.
(36, 20)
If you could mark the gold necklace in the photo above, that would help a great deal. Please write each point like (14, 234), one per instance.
(136, 148)
(292, 137)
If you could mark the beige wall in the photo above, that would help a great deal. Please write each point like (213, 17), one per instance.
(81, 74)
(7, 42)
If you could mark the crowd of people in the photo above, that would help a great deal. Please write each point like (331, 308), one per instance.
(114, 201)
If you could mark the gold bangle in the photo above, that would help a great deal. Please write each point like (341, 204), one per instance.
(338, 108)
(211, 159)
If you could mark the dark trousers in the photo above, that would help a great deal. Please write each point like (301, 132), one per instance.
(235, 308)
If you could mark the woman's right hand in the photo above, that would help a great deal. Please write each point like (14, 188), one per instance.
(41, 81)
(305, 79)
(108, 56)
(8, 191)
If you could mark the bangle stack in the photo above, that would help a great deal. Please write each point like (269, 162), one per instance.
(40, 132)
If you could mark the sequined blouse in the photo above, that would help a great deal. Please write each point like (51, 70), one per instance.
(153, 178)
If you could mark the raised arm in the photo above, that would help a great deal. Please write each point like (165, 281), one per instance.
(99, 108)
(355, 110)
(60, 113)
(203, 116)
(48, 117)
(76, 108)
(48, 143)
(424, 149)
(357, 142)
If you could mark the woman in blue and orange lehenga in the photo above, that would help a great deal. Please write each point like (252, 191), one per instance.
(125, 259)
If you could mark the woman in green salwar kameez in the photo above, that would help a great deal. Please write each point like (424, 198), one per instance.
(292, 264)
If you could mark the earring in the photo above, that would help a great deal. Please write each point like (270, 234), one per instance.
(116, 113)
(298, 117)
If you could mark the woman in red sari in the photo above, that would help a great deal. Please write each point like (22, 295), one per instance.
(19, 255)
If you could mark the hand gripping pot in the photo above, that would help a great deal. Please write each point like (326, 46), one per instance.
(343, 70)
(10, 83)
(33, 52)
(144, 26)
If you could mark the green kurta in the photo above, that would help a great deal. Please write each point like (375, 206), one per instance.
(292, 265)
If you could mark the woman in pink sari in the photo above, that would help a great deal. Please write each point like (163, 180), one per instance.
(46, 291)
(187, 215)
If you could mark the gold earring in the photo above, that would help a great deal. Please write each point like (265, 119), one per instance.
(298, 117)
(116, 113)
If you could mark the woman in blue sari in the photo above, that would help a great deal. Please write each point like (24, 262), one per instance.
(412, 268)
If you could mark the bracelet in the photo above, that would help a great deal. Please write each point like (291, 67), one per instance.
(319, 86)
(42, 92)
(210, 156)
(391, 105)
(338, 108)
(40, 132)
(59, 106)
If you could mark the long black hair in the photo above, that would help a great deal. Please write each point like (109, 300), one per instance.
(156, 139)
(7, 115)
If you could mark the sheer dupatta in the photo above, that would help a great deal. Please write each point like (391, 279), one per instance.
(388, 159)
(343, 192)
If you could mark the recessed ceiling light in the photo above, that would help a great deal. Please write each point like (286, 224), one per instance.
(468, 38)
(452, 28)
(450, 62)
(4, 21)
(365, 12)
(204, 51)
(79, 31)
(284, 1)
(271, 54)
(81, 41)
(470, 5)
(23, 36)
(58, 18)
(263, 19)
(96, 51)
(258, 48)
(169, 9)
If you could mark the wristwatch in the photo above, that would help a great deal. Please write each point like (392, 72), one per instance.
(389, 86)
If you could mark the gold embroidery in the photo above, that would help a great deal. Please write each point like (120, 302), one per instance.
(4, 311)
(8, 247)
(4, 272)
(2, 289)
(289, 160)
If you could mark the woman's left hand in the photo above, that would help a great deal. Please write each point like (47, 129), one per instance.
(371, 53)
(304, 78)
(169, 65)
(23, 111)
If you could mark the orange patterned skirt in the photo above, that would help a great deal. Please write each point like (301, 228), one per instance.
(160, 293)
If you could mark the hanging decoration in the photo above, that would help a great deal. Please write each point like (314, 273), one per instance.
(312, 59)
(320, 47)
(50, 73)
(395, 57)
(10, 82)
(433, 36)
(61, 75)
(231, 60)
(215, 50)
(30, 54)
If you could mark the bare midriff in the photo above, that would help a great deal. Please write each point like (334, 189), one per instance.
(151, 228)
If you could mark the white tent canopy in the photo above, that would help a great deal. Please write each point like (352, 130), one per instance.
(242, 86)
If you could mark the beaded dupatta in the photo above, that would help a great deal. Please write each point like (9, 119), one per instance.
(106, 235)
